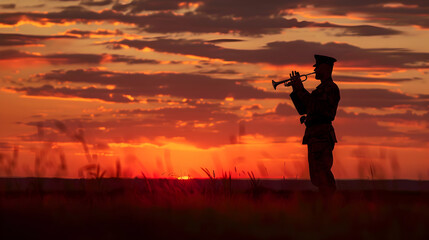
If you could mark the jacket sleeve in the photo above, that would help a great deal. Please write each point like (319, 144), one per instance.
(301, 99)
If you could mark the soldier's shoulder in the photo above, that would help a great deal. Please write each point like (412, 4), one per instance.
(332, 85)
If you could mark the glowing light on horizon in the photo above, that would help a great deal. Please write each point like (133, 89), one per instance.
(184, 178)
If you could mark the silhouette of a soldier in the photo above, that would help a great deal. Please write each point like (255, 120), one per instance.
(318, 109)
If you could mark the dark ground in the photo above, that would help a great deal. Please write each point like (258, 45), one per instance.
(33, 208)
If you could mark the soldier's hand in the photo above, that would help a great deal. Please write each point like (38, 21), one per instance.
(296, 81)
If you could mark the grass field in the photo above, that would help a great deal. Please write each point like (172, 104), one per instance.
(204, 209)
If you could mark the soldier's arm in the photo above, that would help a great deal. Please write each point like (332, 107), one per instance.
(301, 99)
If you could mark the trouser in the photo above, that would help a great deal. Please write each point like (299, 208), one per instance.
(320, 161)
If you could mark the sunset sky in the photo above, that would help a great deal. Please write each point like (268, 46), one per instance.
(164, 88)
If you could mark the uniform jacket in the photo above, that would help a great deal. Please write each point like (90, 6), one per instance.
(320, 107)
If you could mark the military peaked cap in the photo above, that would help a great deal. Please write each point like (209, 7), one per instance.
(324, 59)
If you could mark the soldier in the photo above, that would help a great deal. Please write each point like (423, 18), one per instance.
(319, 109)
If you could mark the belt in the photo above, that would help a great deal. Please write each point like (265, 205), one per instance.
(311, 122)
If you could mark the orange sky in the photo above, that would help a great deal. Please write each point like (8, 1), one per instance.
(165, 88)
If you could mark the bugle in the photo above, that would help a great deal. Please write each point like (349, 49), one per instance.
(288, 82)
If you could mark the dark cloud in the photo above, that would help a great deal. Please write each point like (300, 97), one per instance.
(219, 71)
(67, 92)
(181, 85)
(4, 146)
(245, 8)
(381, 98)
(96, 3)
(196, 86)
(169, 22)
(252, 107)
(343, 78)
(223, 40)
(137, 6)
(191, 112)
(132, 60)
(368, 125)
(395, 13)
(99, 32)
(201, 23)
(15, 54)
(7, 39)
(358, 128)
(218, 8)
(202, 124)
(396, 117)
(366, 30)
(8, 6)
(33, 6)
(74, 58)
(72, 13)
(274, 53)
(281, 110)
(284, 109)
(424, 96)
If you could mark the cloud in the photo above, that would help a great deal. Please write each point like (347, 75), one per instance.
(219, 71)
(96, 3)
(67, 92)
(16, 54)
(254, 26)
(69, 14)
(274, 53)
(202, 124)
(381, 98)
(343, 78)
(170, 22)
(137, 6)
(223, 40)
(397, 13)
(219, 8)
(406, 116)
(133, 60)
(7, 39)
(366, 30)
(99, 32)
(411, 126)
(424, 96)
(192, 111)
(137, 85)
(245, 8)
(74, 58)
(284, 109)
(5, 146)
(8, 6)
